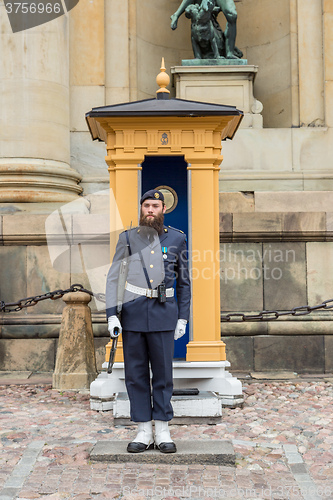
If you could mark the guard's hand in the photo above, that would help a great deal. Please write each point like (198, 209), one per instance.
(114, 327)
(180, 328)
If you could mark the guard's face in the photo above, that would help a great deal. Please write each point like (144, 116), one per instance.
(150, 209)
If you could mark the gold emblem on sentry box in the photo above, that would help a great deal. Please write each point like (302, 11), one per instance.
(164, 139)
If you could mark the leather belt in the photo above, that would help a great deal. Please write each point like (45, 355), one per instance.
(148, 292)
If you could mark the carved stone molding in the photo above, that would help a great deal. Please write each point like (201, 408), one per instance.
(25, 180)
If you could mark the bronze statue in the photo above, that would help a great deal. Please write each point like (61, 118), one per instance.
(207, 41)
(207, 36)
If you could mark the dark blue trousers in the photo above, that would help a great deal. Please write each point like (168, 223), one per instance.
(141, 349)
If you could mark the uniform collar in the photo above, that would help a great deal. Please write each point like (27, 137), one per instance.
(164, 233)
(156, 238)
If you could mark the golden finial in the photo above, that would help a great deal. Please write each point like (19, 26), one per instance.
(163, 79)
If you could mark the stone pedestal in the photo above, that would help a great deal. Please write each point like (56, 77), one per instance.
(214, 62)
(230, 85)
(76, 363)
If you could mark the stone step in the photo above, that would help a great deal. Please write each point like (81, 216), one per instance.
(209, 452)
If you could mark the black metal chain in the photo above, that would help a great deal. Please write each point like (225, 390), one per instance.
(230, 317)
(56, 294)
(273, 315)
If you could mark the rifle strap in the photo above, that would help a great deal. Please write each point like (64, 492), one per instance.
(121, 284)
(141, 258)
(128, 244)
(145, 270)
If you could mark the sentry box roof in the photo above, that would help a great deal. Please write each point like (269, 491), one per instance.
(161, 107)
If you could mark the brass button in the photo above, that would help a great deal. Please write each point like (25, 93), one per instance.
(151, 265)
(151, 281)
(152, 251)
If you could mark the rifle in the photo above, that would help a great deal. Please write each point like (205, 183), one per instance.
(113, 352)
(123, 271)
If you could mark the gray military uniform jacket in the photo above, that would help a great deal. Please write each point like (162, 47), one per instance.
(165, 258)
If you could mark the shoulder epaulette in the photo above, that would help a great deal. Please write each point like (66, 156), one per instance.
(179, 230)
(129, 229)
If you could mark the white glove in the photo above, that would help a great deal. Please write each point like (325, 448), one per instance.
(180, 328)
(113, 322)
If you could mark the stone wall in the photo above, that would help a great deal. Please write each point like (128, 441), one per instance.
(276, 254)
(38, 355)
(265, 35)
(28, 338)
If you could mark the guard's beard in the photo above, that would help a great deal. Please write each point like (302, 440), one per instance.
(155, 223)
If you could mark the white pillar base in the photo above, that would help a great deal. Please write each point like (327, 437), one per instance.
(209, 376)
(203, 375)
(204, 408)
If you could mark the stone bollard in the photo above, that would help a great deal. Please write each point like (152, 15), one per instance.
(75, 366)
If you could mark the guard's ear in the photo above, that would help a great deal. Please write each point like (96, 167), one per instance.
(164, 208)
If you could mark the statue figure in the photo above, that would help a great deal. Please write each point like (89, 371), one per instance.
(207, 40)
(205, 30)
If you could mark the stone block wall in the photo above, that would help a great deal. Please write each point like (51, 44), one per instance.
(276, 253)
(38, 354)
(28, 338)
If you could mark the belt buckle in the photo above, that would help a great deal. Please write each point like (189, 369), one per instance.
(149, 293)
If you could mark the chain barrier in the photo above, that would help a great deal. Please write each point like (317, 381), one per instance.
(230, 317)
(273, 315)
(56, 294)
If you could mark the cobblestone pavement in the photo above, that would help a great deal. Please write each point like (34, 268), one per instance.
(283, 438)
